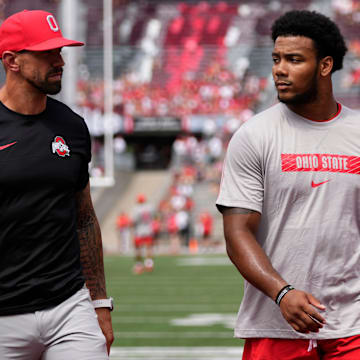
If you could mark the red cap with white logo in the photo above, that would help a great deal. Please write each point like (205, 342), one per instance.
(34, 30)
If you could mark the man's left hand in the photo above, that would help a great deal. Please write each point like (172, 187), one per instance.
(105, 323)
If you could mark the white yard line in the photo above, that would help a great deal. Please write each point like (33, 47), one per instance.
(171, 281)
(141, 319)
(204, 261)
(175, 307)
(174, 334)
(176, 353)
(200, 319)
(170, 285)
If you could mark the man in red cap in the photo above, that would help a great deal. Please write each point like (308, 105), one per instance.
(50, 240)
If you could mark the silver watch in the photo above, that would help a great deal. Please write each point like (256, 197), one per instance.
(104, 303)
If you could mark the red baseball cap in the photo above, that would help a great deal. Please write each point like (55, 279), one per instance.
(141, 198)
(34, 30)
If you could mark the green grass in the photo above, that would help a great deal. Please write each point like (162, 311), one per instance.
(146, 305)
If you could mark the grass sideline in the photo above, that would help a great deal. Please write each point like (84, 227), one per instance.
(186, 301)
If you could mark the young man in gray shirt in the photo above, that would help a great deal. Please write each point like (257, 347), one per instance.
(290, 200)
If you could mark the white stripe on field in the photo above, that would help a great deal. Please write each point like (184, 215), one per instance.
(170, 279)
(160, 286)
(191, 319)
(174, 334)
(156, 299)
(175, 307)
(176, 353)
(179, 281)
(141, 319)
(204, 262)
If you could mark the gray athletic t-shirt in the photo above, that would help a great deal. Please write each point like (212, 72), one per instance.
(303, 177)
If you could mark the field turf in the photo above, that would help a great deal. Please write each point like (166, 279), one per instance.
(185, 301)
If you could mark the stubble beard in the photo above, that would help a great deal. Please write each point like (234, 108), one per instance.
(306, 97)
(46, 87)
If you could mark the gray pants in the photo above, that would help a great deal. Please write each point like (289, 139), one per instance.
(67, 331)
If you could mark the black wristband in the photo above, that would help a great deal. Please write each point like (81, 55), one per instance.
(282, 293)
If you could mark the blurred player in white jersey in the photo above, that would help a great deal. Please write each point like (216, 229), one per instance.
(142, 221)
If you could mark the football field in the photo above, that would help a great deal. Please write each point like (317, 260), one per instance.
(184, 309)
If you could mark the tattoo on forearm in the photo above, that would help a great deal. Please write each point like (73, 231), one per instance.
(91, 253)
(234, 210)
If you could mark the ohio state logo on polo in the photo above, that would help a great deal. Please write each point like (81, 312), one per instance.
(59, 147)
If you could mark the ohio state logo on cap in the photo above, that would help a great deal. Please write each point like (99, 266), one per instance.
(32, 30)
(59, 147)
(52, 23)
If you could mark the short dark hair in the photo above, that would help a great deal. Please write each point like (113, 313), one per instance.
(322, 30)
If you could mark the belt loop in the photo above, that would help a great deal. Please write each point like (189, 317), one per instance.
(312, 344)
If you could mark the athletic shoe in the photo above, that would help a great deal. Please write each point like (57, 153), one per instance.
(149, 265)
(138, 269)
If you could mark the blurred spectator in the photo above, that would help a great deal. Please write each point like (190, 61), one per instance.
(123, 225)
(204, 229)
(215, 147)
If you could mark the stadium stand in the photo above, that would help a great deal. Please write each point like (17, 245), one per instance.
(202, 64)
(10, 7)
(209, 63)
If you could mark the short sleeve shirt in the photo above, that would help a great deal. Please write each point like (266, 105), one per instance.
(304, 178)
(44, 162)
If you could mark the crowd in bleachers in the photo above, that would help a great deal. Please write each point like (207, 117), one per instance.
(184, 64)
(190, 71)
(193, 75)
(189, 59)
(184, 50)
(8, 8)
(216, 91)
(347, 15)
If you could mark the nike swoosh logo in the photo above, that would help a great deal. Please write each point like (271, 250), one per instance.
(7, 145)
(314, 185)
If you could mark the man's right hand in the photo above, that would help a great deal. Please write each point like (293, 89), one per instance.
(298, 309)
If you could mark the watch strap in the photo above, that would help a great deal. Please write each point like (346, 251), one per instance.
(103, 303)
